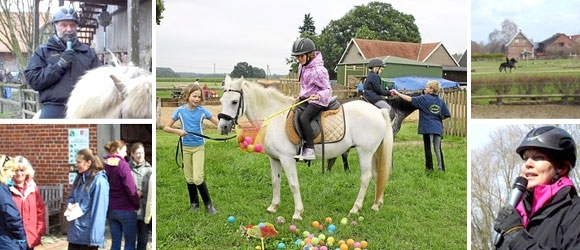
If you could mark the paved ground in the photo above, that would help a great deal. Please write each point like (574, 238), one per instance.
(52, 242)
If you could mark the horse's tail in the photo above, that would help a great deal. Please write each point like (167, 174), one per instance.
(383, 161)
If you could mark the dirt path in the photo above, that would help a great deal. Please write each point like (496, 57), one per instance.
(550, 111)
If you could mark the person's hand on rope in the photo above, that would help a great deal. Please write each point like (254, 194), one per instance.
(508, 224)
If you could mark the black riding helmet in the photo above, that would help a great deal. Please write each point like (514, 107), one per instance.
(65, 14)
(302, 46)
(376, 63)
(552, 138)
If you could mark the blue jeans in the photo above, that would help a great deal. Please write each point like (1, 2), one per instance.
(53, 111)
(122, 222)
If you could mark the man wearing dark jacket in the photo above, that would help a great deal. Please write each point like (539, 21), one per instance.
(56, 66)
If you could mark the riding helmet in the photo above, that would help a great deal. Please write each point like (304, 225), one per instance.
(302, 46)
(65, 14)
(376, 63)
(552, 138)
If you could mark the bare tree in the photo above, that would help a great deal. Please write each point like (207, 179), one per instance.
(498, 39)
(17, 27)
(493, 168)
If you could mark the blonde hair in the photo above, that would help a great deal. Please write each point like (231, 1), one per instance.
(113, 146)
(22, 162)
(434, 85)
(190, 89)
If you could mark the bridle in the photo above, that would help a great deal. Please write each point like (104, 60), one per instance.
(239, 112)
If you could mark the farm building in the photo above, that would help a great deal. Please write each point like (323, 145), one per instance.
(427, 54)
(50, 147)
(558, 46)
(520, 47)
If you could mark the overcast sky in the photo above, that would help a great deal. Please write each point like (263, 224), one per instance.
(196, 35)
(537, 19)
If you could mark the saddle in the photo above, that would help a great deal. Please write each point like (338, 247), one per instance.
(330, 121)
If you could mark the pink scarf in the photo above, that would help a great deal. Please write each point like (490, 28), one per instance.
(543, 194)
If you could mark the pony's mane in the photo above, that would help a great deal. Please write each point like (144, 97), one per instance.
(263, 94)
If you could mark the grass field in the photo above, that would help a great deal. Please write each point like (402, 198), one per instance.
(558, 66)
(421, 210)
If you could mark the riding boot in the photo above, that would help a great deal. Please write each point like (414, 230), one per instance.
(206, 198)
(192, 189)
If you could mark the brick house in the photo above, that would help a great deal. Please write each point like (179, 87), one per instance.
(520, 47)
(558, 45)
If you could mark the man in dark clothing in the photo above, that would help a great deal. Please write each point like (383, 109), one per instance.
(56, 66)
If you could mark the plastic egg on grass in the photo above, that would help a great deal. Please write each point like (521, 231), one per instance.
(354, 223)
(356, 244)
(249, 140)
(343, 221)
(330, 240)
(243, 145)
(360, 218)
(281, 245)
(305, 233)
(323, 248)
(258, 148)
(292, 228)
(280, 220)
(315, 224)
(350, 242)
(328, 220)
(231, 219)
(364, 244)
(331, 228)
(250, 148)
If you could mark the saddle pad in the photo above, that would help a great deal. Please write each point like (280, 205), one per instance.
(332, 122)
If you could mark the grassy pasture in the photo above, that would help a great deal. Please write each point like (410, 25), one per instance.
(531, 77)
(421, 211)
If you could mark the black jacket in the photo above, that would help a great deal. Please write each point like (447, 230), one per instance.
(373, 90)
(53, 83)
(555, 226)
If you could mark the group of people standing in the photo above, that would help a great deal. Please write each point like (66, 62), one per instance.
(113, 190)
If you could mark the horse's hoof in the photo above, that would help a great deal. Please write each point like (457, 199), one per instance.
(297, 217)
(272, 209)
(353, 211)
(375, 207)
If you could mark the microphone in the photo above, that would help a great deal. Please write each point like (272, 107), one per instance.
(69, 44)
(518, 189)
(514, 197)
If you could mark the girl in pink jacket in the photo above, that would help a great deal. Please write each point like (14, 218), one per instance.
(314, 84)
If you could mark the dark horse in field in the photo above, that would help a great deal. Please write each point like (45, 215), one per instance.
(400, 109)
(511, 63)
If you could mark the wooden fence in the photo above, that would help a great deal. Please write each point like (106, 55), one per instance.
(23, 104)
(457, 103)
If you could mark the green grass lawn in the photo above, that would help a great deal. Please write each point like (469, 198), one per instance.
(421, 211)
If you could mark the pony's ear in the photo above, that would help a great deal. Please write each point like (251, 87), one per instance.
(242, 78)
(228, 78)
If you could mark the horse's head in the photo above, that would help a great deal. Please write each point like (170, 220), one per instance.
(232, 102)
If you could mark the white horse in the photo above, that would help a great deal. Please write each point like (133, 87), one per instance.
(112, 92)
(367, 128)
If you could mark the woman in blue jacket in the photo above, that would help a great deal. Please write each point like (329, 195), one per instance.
(432, 112)
(90, 192)
(12, 235)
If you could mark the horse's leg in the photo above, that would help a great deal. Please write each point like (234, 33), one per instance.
(345, 160)
(275, 169)
(366, 162)
(289, 165)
